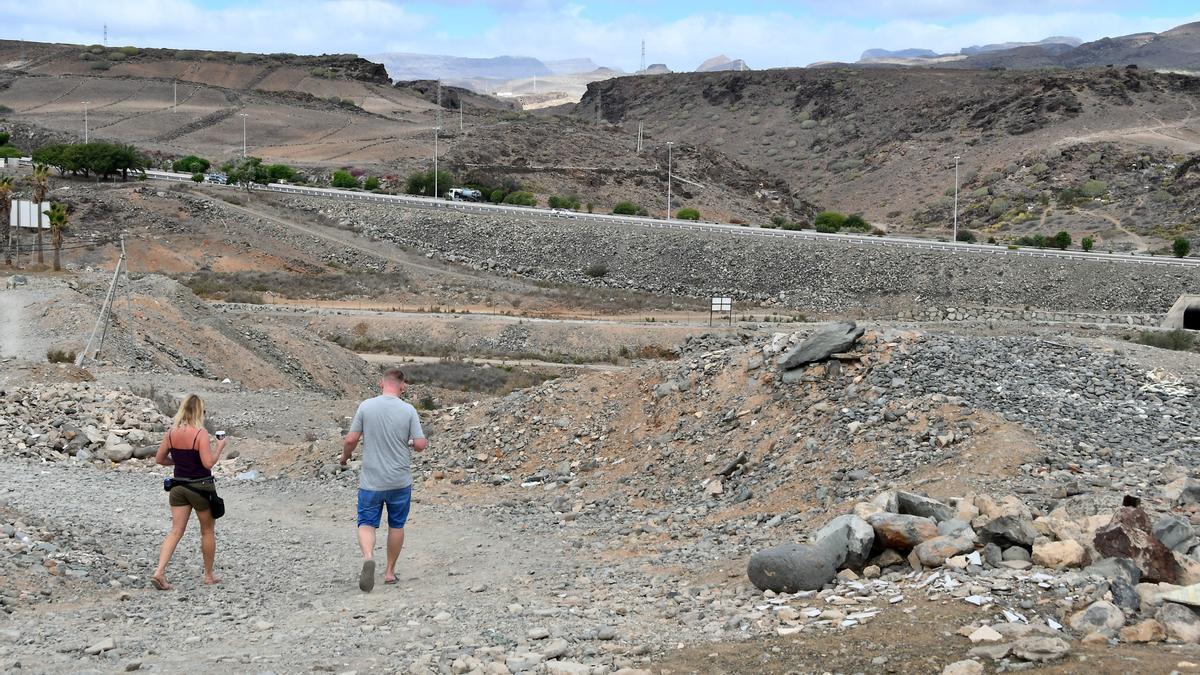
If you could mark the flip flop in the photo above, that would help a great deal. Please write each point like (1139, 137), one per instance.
(366, 578)
(389, 582)
(160, 584)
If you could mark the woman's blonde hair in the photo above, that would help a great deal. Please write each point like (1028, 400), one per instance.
(191, 412)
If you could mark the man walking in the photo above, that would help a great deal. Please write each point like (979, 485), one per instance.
(390, 431)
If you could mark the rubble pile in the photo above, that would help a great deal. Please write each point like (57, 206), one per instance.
(80, 421)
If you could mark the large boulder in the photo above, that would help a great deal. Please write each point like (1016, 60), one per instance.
(1182, 491)
(1116, 569)
(1099, 616)
(901, 532)
(832, 339)
(1007, 531)
(1181, 623)
(1060, 554)
(1129, 535)
(935, 552)
(1174, 532)
(850, 536)
(917, 505)
(789, 568)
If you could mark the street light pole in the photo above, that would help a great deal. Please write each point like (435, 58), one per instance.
(85, 123)
(669, 144)
(436, 130)
(956, 159)
(244, 115)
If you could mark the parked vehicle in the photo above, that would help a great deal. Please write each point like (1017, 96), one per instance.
(218, 178)
(464, 195)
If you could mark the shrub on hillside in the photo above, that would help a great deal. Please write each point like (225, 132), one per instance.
(497, 196)
(117, 56)
(191, 164)
(829, 221)
(688, 214)
(197, 178)
(1093, 188)
(564, 202)
(1181, 247)
(1086, 243)
(520, 198)
(57, 355)
(966, 236)
(422, 183)
(129, 51)
(9, 152)
(626, 209)
(856, 223)
(372, 183)
(596, 270)
(343, 179)
(101, 65)
(280, 172)
(1061, 241)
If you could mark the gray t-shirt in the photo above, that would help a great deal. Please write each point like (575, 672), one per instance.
(387, 424)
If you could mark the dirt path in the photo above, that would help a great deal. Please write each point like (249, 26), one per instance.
(289, 562)
(1158, 133)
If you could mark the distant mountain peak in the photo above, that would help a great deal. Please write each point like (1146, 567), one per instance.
(721, 62)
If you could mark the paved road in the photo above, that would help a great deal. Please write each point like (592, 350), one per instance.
(394, 358)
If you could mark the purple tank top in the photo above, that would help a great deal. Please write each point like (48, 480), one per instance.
(187, 460)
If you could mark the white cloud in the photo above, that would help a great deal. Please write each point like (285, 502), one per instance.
(301, 26)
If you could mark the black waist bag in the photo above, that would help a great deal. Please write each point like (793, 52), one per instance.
(215, 503)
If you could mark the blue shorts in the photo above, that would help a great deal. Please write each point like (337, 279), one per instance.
(370, 507)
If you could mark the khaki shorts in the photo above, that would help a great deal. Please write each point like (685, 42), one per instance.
(186, 496)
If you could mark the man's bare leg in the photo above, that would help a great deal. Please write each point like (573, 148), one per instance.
(394, 544)
(366, 541)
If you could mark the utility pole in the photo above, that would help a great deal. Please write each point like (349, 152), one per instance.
(85, 123)
(639, 141)
(175, 96)
(128, 298)
(436, 130)
(79, 359)
(439, 104)
(669, 144)
(643, 68)
(244, 116)
(956, 158)
(460, 115)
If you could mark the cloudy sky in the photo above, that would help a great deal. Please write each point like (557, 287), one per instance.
(766, 33)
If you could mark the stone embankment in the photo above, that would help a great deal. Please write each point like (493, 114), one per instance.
(819, 276)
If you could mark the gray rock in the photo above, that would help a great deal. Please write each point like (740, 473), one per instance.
(1007, 531)
(1016, 553)
(917, 505)
(118, 453)
(1174, 532)
(1182, 491)
(145, 451)
(1041, 649)
(789, 568)
(107, 644)
(1116, 568)
(1100, 616)
(850, 536)
(1181, 622)
(993, 555)
(555, 648)
(955, 526)
(1124, 595)
(834, 338)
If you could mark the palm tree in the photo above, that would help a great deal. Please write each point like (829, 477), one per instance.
(6, 185)
(58, 223)
(41, 185)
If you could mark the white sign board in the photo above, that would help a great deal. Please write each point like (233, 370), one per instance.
(24, 214)
(722, 304)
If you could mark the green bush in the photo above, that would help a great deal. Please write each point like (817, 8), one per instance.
(497, 196)
(9, 152)
(520, 198)
(1181, 247)
(101, 65)
(117, 56)
(792, 226)
(778, 221)
(343, 179)
(96, 49)
(129, 51)
(626, 209)
(4, 137)
(567, 202)
(191, 164)
(966, 236)
(688, 214)
(1061, 241)
(197, 178)
(1086, 243)
(590, 206)
(279, 172)
(422, 183)
(1178, 340)
(856, 223)
(372, 183)
(1093, 188)
(244, 58)
(829, 221)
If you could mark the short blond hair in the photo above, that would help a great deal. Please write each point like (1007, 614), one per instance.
(191, 412)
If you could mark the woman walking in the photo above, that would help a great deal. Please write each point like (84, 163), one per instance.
(186, 447)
